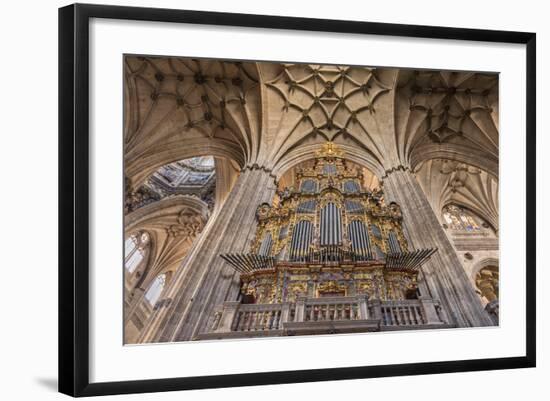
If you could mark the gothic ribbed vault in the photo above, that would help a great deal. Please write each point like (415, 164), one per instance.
(449, 182)
(423, 139)
(272, 115)
(180, 108)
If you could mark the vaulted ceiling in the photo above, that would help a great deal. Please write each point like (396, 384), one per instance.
(180, 108)
(449, 182)
(452, 115)
(312, 104)
(275, 115)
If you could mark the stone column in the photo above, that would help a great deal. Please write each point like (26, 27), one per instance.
(443, 274)
(206, 281)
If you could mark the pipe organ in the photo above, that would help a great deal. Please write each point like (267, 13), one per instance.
(301, 240)
(331, 225)
(328, 236)
(359, 238)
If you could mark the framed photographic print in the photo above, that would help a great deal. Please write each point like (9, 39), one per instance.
(278, 199)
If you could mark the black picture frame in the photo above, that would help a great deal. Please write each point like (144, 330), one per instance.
(74, 198)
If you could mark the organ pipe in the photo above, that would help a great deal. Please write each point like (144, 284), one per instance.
(394, 243)
(265, 248)
(301, 240)
(331, 225)
(360, 242)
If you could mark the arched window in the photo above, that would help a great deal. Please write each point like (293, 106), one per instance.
(129, 245)
(133, 261)
(153, 293)
(135, 250)
(460, 219)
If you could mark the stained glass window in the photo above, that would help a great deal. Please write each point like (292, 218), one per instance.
(460, 219)
(134, 260)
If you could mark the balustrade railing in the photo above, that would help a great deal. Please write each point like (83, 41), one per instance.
(257, 317)
(402, 313)
(237, 317)
(333, 308)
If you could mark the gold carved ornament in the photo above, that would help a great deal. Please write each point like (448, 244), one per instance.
(331, 287)
(329, 150)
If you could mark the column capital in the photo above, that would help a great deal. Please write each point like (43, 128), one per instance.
(256, 167)
(399, 167)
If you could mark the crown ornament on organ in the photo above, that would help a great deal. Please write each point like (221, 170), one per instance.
(329, 149)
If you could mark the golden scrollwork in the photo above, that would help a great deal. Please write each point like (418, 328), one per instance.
(365, 287)
(331, 287)
(296, 289)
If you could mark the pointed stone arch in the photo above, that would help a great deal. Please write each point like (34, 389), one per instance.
(145, 165)
(305, 153)
(454, 152)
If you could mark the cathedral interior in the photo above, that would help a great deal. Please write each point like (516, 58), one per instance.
(273, 199)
